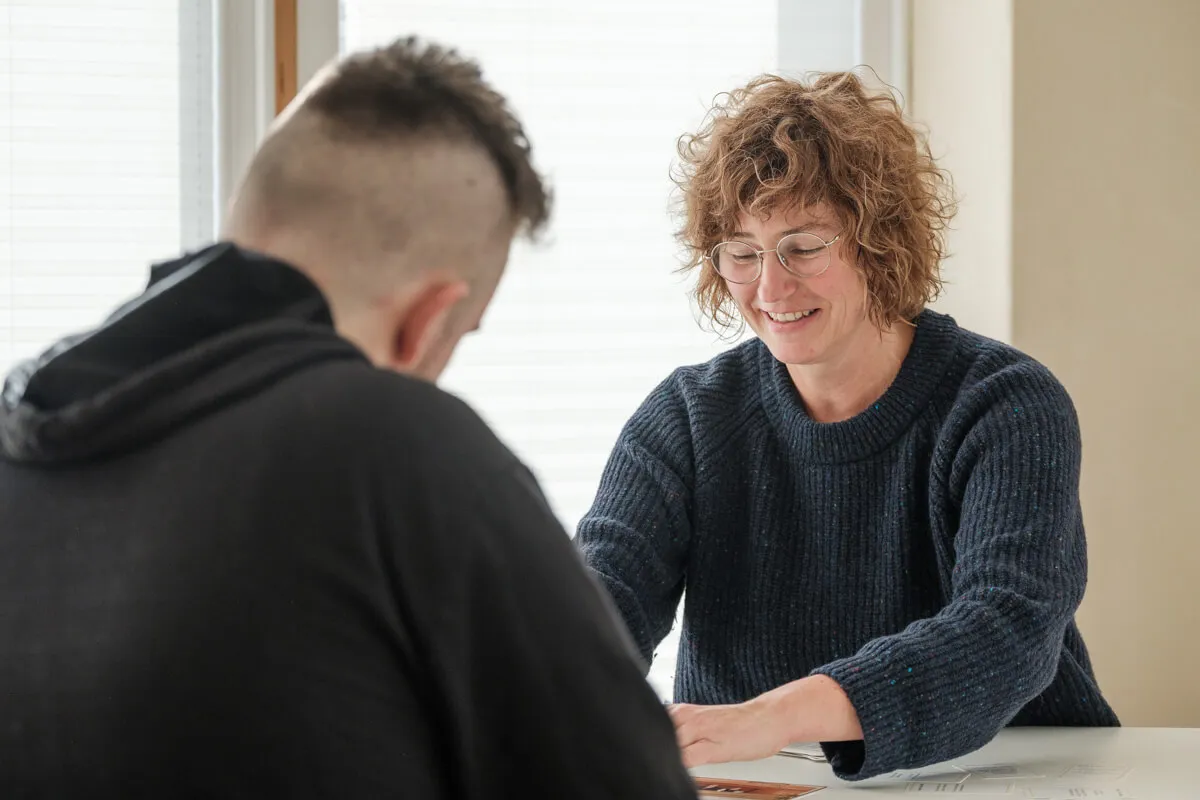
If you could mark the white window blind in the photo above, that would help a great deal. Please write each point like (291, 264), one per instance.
(105, 150)
(587, 323)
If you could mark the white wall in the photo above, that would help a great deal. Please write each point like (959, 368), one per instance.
(316, 38)
(962, 73)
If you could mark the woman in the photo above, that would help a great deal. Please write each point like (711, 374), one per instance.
(874, 513)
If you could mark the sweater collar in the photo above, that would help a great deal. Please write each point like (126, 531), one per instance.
(873, 430)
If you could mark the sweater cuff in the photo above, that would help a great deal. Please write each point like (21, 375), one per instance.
(846, 758)
(883, 714)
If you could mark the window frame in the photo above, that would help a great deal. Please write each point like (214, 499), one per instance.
(280, 44)
(245, 47)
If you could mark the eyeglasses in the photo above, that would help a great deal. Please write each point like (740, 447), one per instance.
(805, 255)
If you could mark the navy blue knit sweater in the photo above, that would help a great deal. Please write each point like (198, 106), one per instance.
(927, 554)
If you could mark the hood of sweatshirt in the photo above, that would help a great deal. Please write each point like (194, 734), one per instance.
(210, 328)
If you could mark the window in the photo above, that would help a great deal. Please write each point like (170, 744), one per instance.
(587, 323)
(106, 155)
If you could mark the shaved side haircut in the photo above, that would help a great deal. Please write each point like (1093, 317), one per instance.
(371, 161)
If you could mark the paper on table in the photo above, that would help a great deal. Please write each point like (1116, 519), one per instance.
(1110, 772)
(989, 788)
(1076, 793)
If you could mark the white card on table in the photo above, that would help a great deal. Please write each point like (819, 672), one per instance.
(928, 775)
(1001, 771)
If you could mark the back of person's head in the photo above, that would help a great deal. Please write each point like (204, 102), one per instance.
(397, 180)
(777, 144)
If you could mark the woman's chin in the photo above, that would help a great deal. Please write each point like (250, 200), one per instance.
(793, 354)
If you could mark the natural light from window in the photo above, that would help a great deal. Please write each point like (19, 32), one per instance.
(587, 323)
(89, 161)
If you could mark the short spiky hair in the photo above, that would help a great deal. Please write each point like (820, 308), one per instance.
(413, 87)
(776, 143)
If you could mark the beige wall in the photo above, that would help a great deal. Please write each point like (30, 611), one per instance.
(1106, 281)
(1102, 166)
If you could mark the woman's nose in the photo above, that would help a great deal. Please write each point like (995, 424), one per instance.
(775, 283)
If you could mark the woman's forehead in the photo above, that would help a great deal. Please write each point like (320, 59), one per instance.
(817, 215)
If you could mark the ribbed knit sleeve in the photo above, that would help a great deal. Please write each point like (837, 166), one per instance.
(636, 535)
(1007, 468)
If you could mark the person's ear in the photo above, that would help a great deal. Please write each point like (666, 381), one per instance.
(424, 324)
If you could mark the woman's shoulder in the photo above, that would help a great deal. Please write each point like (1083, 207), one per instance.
(990, 368)
(714, 392)
(696, 400)
(990, 381)
(1002, 410)
(727, 376)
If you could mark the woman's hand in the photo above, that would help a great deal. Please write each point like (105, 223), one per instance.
(743, 732)
(813, 709)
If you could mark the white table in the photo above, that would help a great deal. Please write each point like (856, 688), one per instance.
(1163, 764)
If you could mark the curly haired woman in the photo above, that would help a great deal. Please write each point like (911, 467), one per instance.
(874, 513)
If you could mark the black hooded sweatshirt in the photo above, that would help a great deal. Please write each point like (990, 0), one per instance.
(237, 560)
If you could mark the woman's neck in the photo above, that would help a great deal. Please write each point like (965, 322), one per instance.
(847, 385)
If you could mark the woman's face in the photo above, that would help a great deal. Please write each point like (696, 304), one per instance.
(833, 304)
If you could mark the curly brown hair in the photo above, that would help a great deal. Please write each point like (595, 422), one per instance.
(776, 144)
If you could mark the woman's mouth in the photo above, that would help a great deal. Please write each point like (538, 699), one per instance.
(790, 316)
(786, 321)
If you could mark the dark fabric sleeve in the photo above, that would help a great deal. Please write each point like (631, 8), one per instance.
(539, 691)
(636, 535)
(946, 685)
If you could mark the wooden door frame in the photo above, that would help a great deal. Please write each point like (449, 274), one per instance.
(286, 48)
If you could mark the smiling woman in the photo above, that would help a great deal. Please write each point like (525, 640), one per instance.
(815, 154)
(809, 308)
(873, 513)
